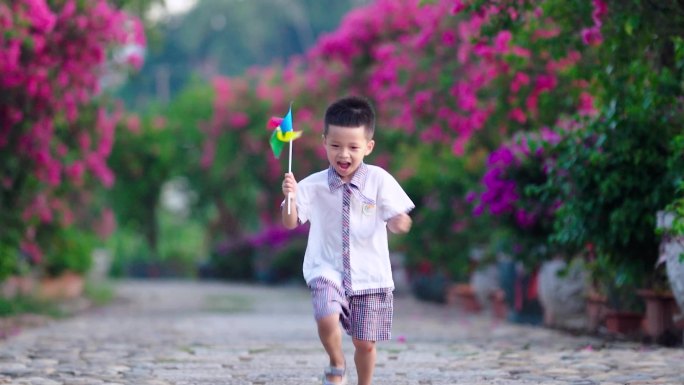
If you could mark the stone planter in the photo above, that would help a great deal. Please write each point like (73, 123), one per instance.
(463, 296)
(660, 311)
(623, 323)
(671, 252)
(484, 282)
(672, 248)
(562, 297)
(499, 307)
(17, 286)
(65, 286)
(596, 311)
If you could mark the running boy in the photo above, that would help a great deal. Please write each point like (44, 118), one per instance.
(350, 206)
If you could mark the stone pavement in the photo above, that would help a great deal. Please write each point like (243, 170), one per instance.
(166, 332)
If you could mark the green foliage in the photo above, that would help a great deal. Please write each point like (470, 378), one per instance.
(69, 249)
(677, 208)
(613, 174)
(128, 248)
(10, 237)
(143, 159)
(618, 170)
(8, 260)
(99, 293)
(28, 305)
(676, 166)
(618, 279)
(444, 229)
(612, 182)
(529, 225)
(181, 248)
(181, 240)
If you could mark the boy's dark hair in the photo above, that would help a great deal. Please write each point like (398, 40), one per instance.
(351, 111)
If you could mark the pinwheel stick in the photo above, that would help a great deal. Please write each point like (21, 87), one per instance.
(289, 169)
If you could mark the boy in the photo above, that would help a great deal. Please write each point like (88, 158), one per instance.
(349, 206)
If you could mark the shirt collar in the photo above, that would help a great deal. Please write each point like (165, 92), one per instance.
(358, 180)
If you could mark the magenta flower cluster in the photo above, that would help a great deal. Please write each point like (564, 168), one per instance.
(434, 73)
(502, 195)
(52, 57)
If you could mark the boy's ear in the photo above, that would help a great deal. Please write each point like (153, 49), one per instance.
(369, 146)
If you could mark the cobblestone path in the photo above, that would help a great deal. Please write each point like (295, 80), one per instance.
(186, 333)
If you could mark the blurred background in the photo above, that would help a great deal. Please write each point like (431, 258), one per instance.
(541, 141)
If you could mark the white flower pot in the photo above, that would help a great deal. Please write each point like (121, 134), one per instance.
(672, 253)
(562, 297)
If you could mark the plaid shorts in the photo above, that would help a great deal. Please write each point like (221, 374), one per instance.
(365, 317)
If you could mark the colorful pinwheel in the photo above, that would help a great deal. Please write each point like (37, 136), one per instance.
(283, 133)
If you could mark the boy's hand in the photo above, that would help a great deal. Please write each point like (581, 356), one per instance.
(400, 224)
(289, 213)
(289, 185)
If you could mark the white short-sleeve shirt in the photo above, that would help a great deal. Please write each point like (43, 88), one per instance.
(376, 198)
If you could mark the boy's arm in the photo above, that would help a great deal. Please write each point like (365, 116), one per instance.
(400, 223)
(291, 220)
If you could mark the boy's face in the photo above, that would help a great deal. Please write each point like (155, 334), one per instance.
(346, 147)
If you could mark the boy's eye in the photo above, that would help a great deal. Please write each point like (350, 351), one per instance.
(335, 145)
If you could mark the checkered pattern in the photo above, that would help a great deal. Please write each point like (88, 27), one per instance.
(327, 299)
(358, 182)
(346, 262)
(365, 317)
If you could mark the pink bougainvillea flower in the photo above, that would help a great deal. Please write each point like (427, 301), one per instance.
(135, 60)
(40, 15)
(600, 11)
(545, 82)
(208, 153)
(449, 38)
(592, 36)
(133, 124)
(32, 249)
(239, 120)
(586, 105)
(502, 41)
(75, 172)
(518, 115)
(458, 6)
(520, 79)
(223, 91)
(106, 224)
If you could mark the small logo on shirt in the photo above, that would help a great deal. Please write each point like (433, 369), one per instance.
(368, 209)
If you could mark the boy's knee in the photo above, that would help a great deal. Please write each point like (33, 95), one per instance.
(329, 323)
(362, 345)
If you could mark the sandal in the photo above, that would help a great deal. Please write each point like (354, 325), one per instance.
(333, 371)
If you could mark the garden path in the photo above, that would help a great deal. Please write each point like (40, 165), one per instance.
(169, 332)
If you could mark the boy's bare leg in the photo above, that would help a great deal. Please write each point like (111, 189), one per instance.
(364, 358)
(330, 333)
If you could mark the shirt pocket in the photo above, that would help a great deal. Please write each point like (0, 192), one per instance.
(367, 220)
